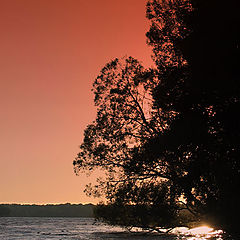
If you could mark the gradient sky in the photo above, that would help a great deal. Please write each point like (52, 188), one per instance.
(50, 53)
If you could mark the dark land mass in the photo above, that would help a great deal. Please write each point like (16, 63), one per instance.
(49, 210)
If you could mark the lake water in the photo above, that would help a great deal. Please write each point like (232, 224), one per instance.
(25, 228)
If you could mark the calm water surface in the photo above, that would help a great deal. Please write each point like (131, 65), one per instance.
(79, 228)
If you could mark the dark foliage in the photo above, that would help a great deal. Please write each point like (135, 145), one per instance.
(177, 125)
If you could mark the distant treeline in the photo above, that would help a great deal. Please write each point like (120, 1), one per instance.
(49, 210)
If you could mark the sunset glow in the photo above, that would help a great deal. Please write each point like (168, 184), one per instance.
(51, 51)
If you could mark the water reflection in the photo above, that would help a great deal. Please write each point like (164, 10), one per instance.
(199, 233)
(87, 228)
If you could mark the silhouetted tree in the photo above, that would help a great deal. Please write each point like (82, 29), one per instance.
(176, 125)
(126, 120)
(204, 139)
(215, 90)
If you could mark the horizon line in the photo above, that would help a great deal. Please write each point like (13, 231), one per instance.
(72, 203)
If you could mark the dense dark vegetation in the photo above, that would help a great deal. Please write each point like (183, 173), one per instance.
(49, 210)
(168, 137)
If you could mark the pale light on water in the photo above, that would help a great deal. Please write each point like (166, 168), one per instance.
(201, 230)
(199, 233)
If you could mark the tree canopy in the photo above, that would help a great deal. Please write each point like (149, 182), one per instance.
(171, 132)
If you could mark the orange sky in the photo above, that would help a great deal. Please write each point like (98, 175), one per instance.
(50, 53)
